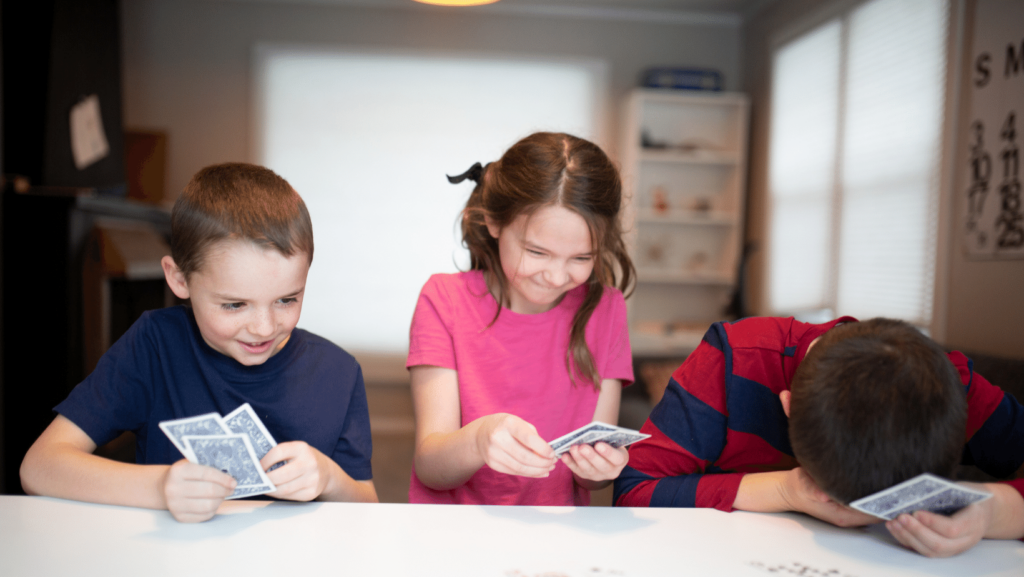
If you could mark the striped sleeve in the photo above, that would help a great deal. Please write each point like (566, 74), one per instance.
(995, 423)
(675, 466)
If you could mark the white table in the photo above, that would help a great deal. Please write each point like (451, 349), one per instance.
(44, 536)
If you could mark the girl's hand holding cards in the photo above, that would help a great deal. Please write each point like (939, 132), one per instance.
(510, 445)
(600, 462)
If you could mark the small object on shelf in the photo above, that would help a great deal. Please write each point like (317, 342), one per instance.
(698, 262)
(700, 204)
(647, 142)
(660, 200)
(654, 253)
(683, 78)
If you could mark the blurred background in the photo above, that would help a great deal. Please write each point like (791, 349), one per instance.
(813, 158)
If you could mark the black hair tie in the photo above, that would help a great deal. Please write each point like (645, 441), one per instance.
(474, 173)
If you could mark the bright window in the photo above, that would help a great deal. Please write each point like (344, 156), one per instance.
(367, 139)
(857, 112)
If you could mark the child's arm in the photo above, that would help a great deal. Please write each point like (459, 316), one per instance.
(794, 490)
(596, 467)
(61, 464)
(1001, 517)
(309, 474)
(448, 454)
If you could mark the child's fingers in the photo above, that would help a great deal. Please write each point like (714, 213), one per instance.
(898, 528)
(282, 452)
(506, 463)
(598, 463)
(520, 460)
(912, 533)
(526, 435)
(186, 472)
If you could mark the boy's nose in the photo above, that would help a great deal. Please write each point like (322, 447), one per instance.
(262, 324)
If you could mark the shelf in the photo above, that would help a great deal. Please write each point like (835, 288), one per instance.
(675, 343)
(653, 275)
(690, 217)
(685, 191)
(697, 157)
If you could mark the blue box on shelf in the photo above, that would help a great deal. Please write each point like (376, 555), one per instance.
(683, 78)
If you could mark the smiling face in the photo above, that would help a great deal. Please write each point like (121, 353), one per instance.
(246, 299)
(544, 255)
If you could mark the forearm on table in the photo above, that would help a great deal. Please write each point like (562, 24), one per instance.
(70, 473)
(1007, 506)
(762, 493)
(447, 460)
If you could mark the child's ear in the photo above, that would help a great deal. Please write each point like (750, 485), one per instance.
(784, 398)
(492, 227)
(175, 278)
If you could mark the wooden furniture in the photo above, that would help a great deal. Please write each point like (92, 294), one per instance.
(44, 536)
(684, 169)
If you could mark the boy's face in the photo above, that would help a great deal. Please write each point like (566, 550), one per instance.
(246, 299)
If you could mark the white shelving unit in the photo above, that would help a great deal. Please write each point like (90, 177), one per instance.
(684, 169)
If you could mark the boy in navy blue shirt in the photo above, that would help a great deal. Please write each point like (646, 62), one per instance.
(241, 246)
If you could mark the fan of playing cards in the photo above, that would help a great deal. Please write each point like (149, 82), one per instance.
(924, 492)
(597, 431)
(233, 444)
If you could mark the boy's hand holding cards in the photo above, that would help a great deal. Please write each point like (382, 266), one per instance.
(591, 433)
(925, 492)
(233, 444)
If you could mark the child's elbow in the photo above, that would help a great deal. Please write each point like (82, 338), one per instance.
(30, 472)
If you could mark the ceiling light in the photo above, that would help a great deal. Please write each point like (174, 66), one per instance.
(457, 2)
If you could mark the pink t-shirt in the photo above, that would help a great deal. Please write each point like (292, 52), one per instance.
(516, 366)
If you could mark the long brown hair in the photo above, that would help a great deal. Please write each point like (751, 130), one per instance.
(553, 169)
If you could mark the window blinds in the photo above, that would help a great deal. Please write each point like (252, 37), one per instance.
(857, 110)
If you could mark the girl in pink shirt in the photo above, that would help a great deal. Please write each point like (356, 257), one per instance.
(492, 383)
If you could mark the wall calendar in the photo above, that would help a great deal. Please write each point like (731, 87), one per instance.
(990, 184)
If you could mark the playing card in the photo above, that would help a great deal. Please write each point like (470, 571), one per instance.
(923, 492)
(563, 443)
(596, 431)
(234, 455)
(244, 421)
(624, 437)
(208, 424)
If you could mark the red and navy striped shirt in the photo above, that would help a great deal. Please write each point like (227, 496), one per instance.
(721, 418)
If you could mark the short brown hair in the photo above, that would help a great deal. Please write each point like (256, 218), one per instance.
(553, 169)
(237, 201)
(873, 404)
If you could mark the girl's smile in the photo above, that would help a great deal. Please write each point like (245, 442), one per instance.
(544, 256)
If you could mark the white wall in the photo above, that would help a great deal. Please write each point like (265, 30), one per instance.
(188, 64)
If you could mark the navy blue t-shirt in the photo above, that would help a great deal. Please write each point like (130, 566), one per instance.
(162, 369)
